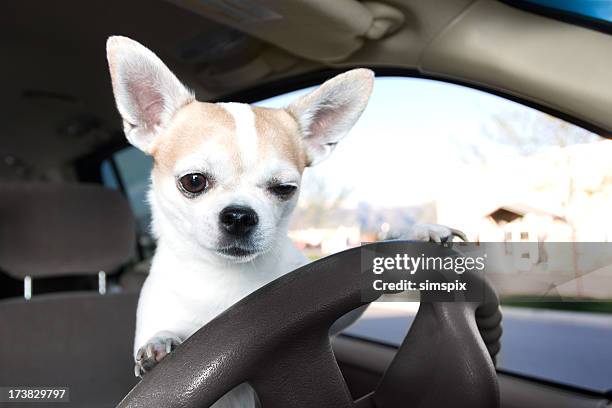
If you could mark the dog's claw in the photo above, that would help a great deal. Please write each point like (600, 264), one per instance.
(153, 352)
(435, 233)
(459, 234)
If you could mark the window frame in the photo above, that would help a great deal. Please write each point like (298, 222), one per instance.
(314, 78)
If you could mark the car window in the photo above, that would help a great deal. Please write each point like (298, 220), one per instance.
(427, 151)
(129, 169)
(431, 152)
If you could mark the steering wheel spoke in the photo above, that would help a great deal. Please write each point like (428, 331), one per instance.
(311, 364)
(443, 365)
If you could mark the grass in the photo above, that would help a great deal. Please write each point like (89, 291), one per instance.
(574, 305)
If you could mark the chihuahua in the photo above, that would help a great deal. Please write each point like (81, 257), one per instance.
(225, 180)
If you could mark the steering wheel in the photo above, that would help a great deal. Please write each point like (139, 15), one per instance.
(277, 340)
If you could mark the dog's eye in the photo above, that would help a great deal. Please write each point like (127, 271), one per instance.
(194, 183)
(283, 190)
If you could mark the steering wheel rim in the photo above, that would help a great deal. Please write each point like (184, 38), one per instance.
(279, 343)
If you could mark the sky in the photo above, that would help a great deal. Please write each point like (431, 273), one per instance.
(410, 141)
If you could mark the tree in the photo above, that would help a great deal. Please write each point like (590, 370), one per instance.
(528, 132)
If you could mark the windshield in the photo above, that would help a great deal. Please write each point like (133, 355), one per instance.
(597, 12)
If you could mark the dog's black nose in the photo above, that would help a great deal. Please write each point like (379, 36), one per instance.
(238, 220)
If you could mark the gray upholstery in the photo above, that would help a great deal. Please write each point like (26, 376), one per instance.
(63, 229)
(79, 340)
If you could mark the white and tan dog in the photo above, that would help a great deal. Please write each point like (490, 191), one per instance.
(225, 181)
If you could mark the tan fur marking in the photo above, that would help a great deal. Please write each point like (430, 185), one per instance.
(193, 124)
(277, 131)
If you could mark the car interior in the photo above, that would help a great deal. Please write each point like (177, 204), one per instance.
(72, 258)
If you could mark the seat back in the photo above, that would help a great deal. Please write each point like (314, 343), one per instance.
(80, 340)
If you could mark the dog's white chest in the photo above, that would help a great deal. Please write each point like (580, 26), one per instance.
(181, 295)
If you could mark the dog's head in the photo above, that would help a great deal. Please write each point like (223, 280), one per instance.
(226, 176)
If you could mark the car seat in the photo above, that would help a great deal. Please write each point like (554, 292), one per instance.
(81, 340)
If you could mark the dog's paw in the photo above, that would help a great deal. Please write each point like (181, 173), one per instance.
(154, 351)
(434, 233)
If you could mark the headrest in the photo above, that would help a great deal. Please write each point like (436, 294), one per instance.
(63, 229)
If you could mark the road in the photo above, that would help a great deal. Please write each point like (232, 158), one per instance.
(573, 348)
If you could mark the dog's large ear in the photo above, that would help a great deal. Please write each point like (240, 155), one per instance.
(147, 93)
(328, 113)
